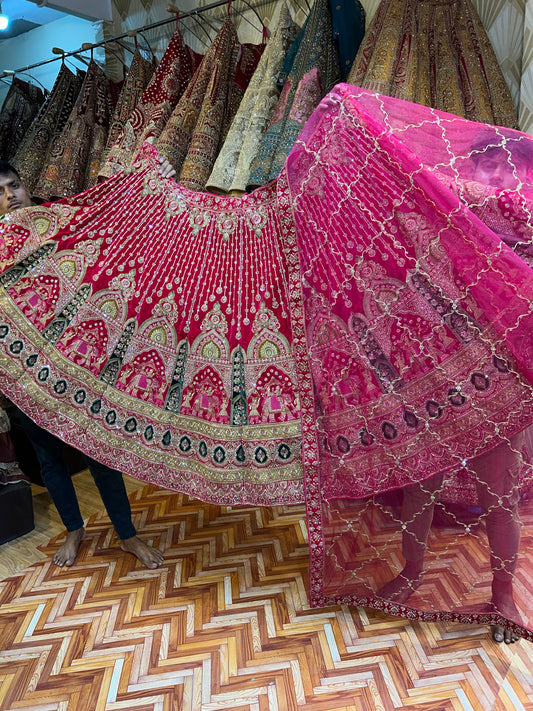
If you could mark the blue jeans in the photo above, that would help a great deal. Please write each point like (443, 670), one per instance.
(58, 481)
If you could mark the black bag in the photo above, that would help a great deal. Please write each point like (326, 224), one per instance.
(16, 511)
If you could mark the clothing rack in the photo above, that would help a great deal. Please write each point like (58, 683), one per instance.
(182, 15)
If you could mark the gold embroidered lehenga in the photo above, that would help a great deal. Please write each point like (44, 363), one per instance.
(75, 153)
(33, 151)
(201, 119)
(436, 53)
(139, 74)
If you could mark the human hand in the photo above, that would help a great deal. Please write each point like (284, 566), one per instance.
(165, 168)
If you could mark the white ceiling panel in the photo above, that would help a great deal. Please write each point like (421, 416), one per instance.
(93, 10)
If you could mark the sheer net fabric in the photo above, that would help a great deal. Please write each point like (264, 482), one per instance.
(414, 234)
(358, 332)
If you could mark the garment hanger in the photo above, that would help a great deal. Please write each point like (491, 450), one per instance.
(209, 38)
(12, 72)
(252, 8)
(123, 45)
(7, 73)
(108, 47)
(195, 17)
(244, 16)
(200, 16)
(86, 46)
(134, 33)
(58, 50)
(64, 60)
(175, 11)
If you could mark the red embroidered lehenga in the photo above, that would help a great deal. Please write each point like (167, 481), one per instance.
(357, 333)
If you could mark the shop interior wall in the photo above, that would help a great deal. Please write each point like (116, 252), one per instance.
(35, 46)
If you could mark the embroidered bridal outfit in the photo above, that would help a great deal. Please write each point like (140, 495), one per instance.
(355, 334)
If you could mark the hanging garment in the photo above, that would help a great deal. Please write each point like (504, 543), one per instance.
(348, 21)
(362, 326)
(314, 71)
(249, 57)
(198, 124)
(139, 74)
(232, 167)
(155, 106)
(75, 155)
(437, 54)
(20, 107)
(47, 126)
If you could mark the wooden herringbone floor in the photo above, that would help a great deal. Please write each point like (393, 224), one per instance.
(225, 624)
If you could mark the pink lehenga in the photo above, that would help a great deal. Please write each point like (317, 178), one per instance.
(357, 333)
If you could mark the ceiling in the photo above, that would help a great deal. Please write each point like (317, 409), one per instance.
(26, 15)
(94, 10)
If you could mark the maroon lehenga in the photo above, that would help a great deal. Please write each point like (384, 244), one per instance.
(74, 157)
(20, 107)
(356, 333)
(33, 152)
(155, 106)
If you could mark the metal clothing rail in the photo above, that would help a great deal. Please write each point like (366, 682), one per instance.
(129, 33)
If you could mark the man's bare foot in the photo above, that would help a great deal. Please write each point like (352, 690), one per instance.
(400, 588)
(150, 557)
(503, 602)
(66, 554)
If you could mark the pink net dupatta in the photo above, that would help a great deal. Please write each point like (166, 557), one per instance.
(418, 313)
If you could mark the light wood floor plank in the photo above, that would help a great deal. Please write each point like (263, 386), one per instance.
(224, 624)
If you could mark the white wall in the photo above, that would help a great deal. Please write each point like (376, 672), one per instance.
(69, 33)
